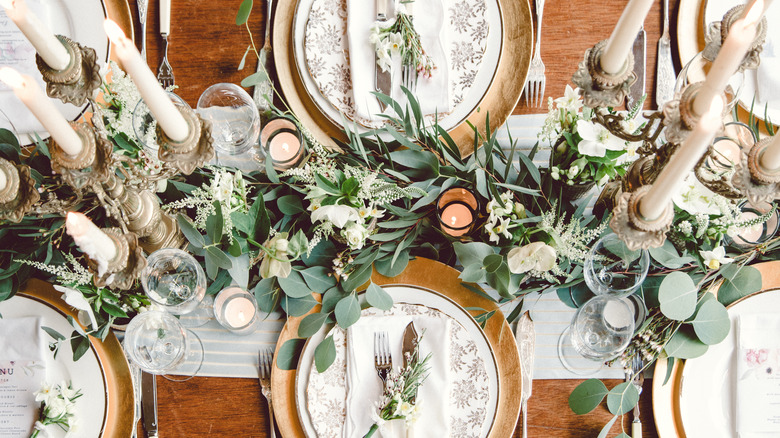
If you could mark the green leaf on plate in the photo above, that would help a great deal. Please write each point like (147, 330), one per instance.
(347, 311)
(298, 306)
(79, 344)
(317, 278)
(738, 282)
(311, 324)
(677, 296)
(294, 286)
(325, 354)
(622, 398)
(711, 323)
(587, 396)
(377, 297)
(53, 333)
(685, 345)
(289, 353)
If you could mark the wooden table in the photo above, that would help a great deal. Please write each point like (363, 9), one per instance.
(206, 47)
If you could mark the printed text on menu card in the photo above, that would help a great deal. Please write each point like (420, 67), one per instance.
(18, 409)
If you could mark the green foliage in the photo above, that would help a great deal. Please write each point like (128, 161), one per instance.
(677, 295)
(587, 396)
(738, 282)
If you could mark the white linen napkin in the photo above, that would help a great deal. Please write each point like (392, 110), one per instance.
(23, 370)
(433, 93)
(758, 375)
(364, 388)
(20, 339)
(767, 78)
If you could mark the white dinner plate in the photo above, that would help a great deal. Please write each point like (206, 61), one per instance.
(86, 374)
(707, 390)
(418, 296)
(482, 80)
(80, 20)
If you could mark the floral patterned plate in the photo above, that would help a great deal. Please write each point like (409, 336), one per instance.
(322, 56)
(321, 398)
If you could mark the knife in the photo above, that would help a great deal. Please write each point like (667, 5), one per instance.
(383, 80)
(664, 76)
(637, 89)
(526, 341)
(265, 63)
(149, 404)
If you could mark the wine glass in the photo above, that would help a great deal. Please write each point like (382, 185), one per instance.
(612, 269)
(144, 123)
(234, 117)
(600, 331)
(174, 280)
(159, 344)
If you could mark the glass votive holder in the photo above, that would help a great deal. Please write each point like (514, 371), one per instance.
(145, 125)
(282, 143)
(236, 310)
(234, 117)
(758, 233)
(457, 210)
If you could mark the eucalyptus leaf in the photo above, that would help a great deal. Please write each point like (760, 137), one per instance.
(711, 323)
(318, 278)
(219, 257)
(685, 345)
(492, 262)
(214, 223)
(472, 253)
(386, 267)
(254, 79)
(239, 270)
(79, 344)
(189, 231)
(587, 396)
(378, 297)
(473, 274)
(53, 333)
(360, 275)
(500, 280)
(298, 306)
(622, 398)
(347, 311)
(267, 294)
(738, 282)
(607, 427)
(668, 256)
(649, 289)
(289, 353)
(330, 298)
(320, 255)
(677, 296)
(262, 224)
(294, 285)
(290, 205)
(311, 324)
(325, 354)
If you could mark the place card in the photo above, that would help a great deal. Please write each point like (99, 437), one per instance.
(758, 375)
(19, 380)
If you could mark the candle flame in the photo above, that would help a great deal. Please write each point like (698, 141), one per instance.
(113, 31)
(754, 14)
(453, 220)
(76, 224)
(11, 77)
(286, 147)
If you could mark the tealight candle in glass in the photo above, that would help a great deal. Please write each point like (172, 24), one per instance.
(750, 237)
(236, 310)
(282, 143)
(457, 209)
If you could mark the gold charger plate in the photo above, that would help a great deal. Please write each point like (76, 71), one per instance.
(119, 11)
(666, 398)
(439, 277)
(119, 419)
(499, 100)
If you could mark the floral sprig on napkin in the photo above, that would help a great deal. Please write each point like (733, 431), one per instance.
(57, 407)
(399, 400)
(400, 38)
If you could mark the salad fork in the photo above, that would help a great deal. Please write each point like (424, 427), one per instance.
(637, 364)
(534, 86)
(165, 73)
(265, 359)
(382, 360)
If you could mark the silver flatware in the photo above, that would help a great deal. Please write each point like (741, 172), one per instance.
(408, 348)
(383, 361)
(637, 366)
(265, 63)
(664, 76)
(383, 80)
(637, 89)
(149, 404)
(165, 73)
(143, 8)
(526, 343)
(536, 82)
(265, 360)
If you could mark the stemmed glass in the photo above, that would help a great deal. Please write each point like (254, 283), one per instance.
(612, 269)
(174, 280)
(158, 344)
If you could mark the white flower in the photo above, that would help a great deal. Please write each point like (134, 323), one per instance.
(570, 101)
(573, 172)
(338, 215)
(374, 36)
(395, 43)
(555, 173)
(630, 154)
(74, 298)
(383, 58)
(496, 210)
(695, 198)
(536, 256)
(56, 407)
(355, 234)
(276, 264)
(400, 8)
(501, 229)
(713, 259)
(597, 140)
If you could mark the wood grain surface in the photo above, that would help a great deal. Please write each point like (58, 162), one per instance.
(206, 47)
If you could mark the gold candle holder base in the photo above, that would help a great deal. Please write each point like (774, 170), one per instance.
(633, 229)
(718, 32)
(599, 88)
(755, 182)
(91, 166)
(679, 117)
(125, 267)
(192, 152)
(79, 80)
(19, 194)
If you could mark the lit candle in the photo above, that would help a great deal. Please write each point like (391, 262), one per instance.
(615, 53)
(283, 147)
(658, 197)
(726, 154)
(164, 111)
(732, 52)
(91, 240)
(3, 180)
(236, 310)
(770, 158)
(43, 109)
(457, 211)
(54, 54)
(759, 233)
(282, 143)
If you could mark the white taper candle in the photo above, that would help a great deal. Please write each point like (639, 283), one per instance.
(91, 240)
(46, 44)
(622, 39)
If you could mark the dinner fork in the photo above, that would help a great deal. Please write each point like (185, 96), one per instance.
(409, 78)
(383, 362)
(534, 86)
(265, 359)
(638, 379)
(165, 73)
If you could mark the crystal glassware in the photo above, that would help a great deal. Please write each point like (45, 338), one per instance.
(236, 310)
(174, 280)
(145, 126)
(612, 269)
(234, 117)
(159, 344)
(600, 331)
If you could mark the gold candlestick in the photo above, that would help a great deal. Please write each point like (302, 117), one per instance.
(79, 80)
(19, 194)
(599, 88)
(127, 264)
(636, 231)
(93, 165)
(192, 152)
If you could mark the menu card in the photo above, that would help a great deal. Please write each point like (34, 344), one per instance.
(21, 374)
(758, 375)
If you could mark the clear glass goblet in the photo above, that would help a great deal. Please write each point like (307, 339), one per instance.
(600, 331)
(158, 344)
(145, 125)
(174, 280)
(234, 117)
(612, 269)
